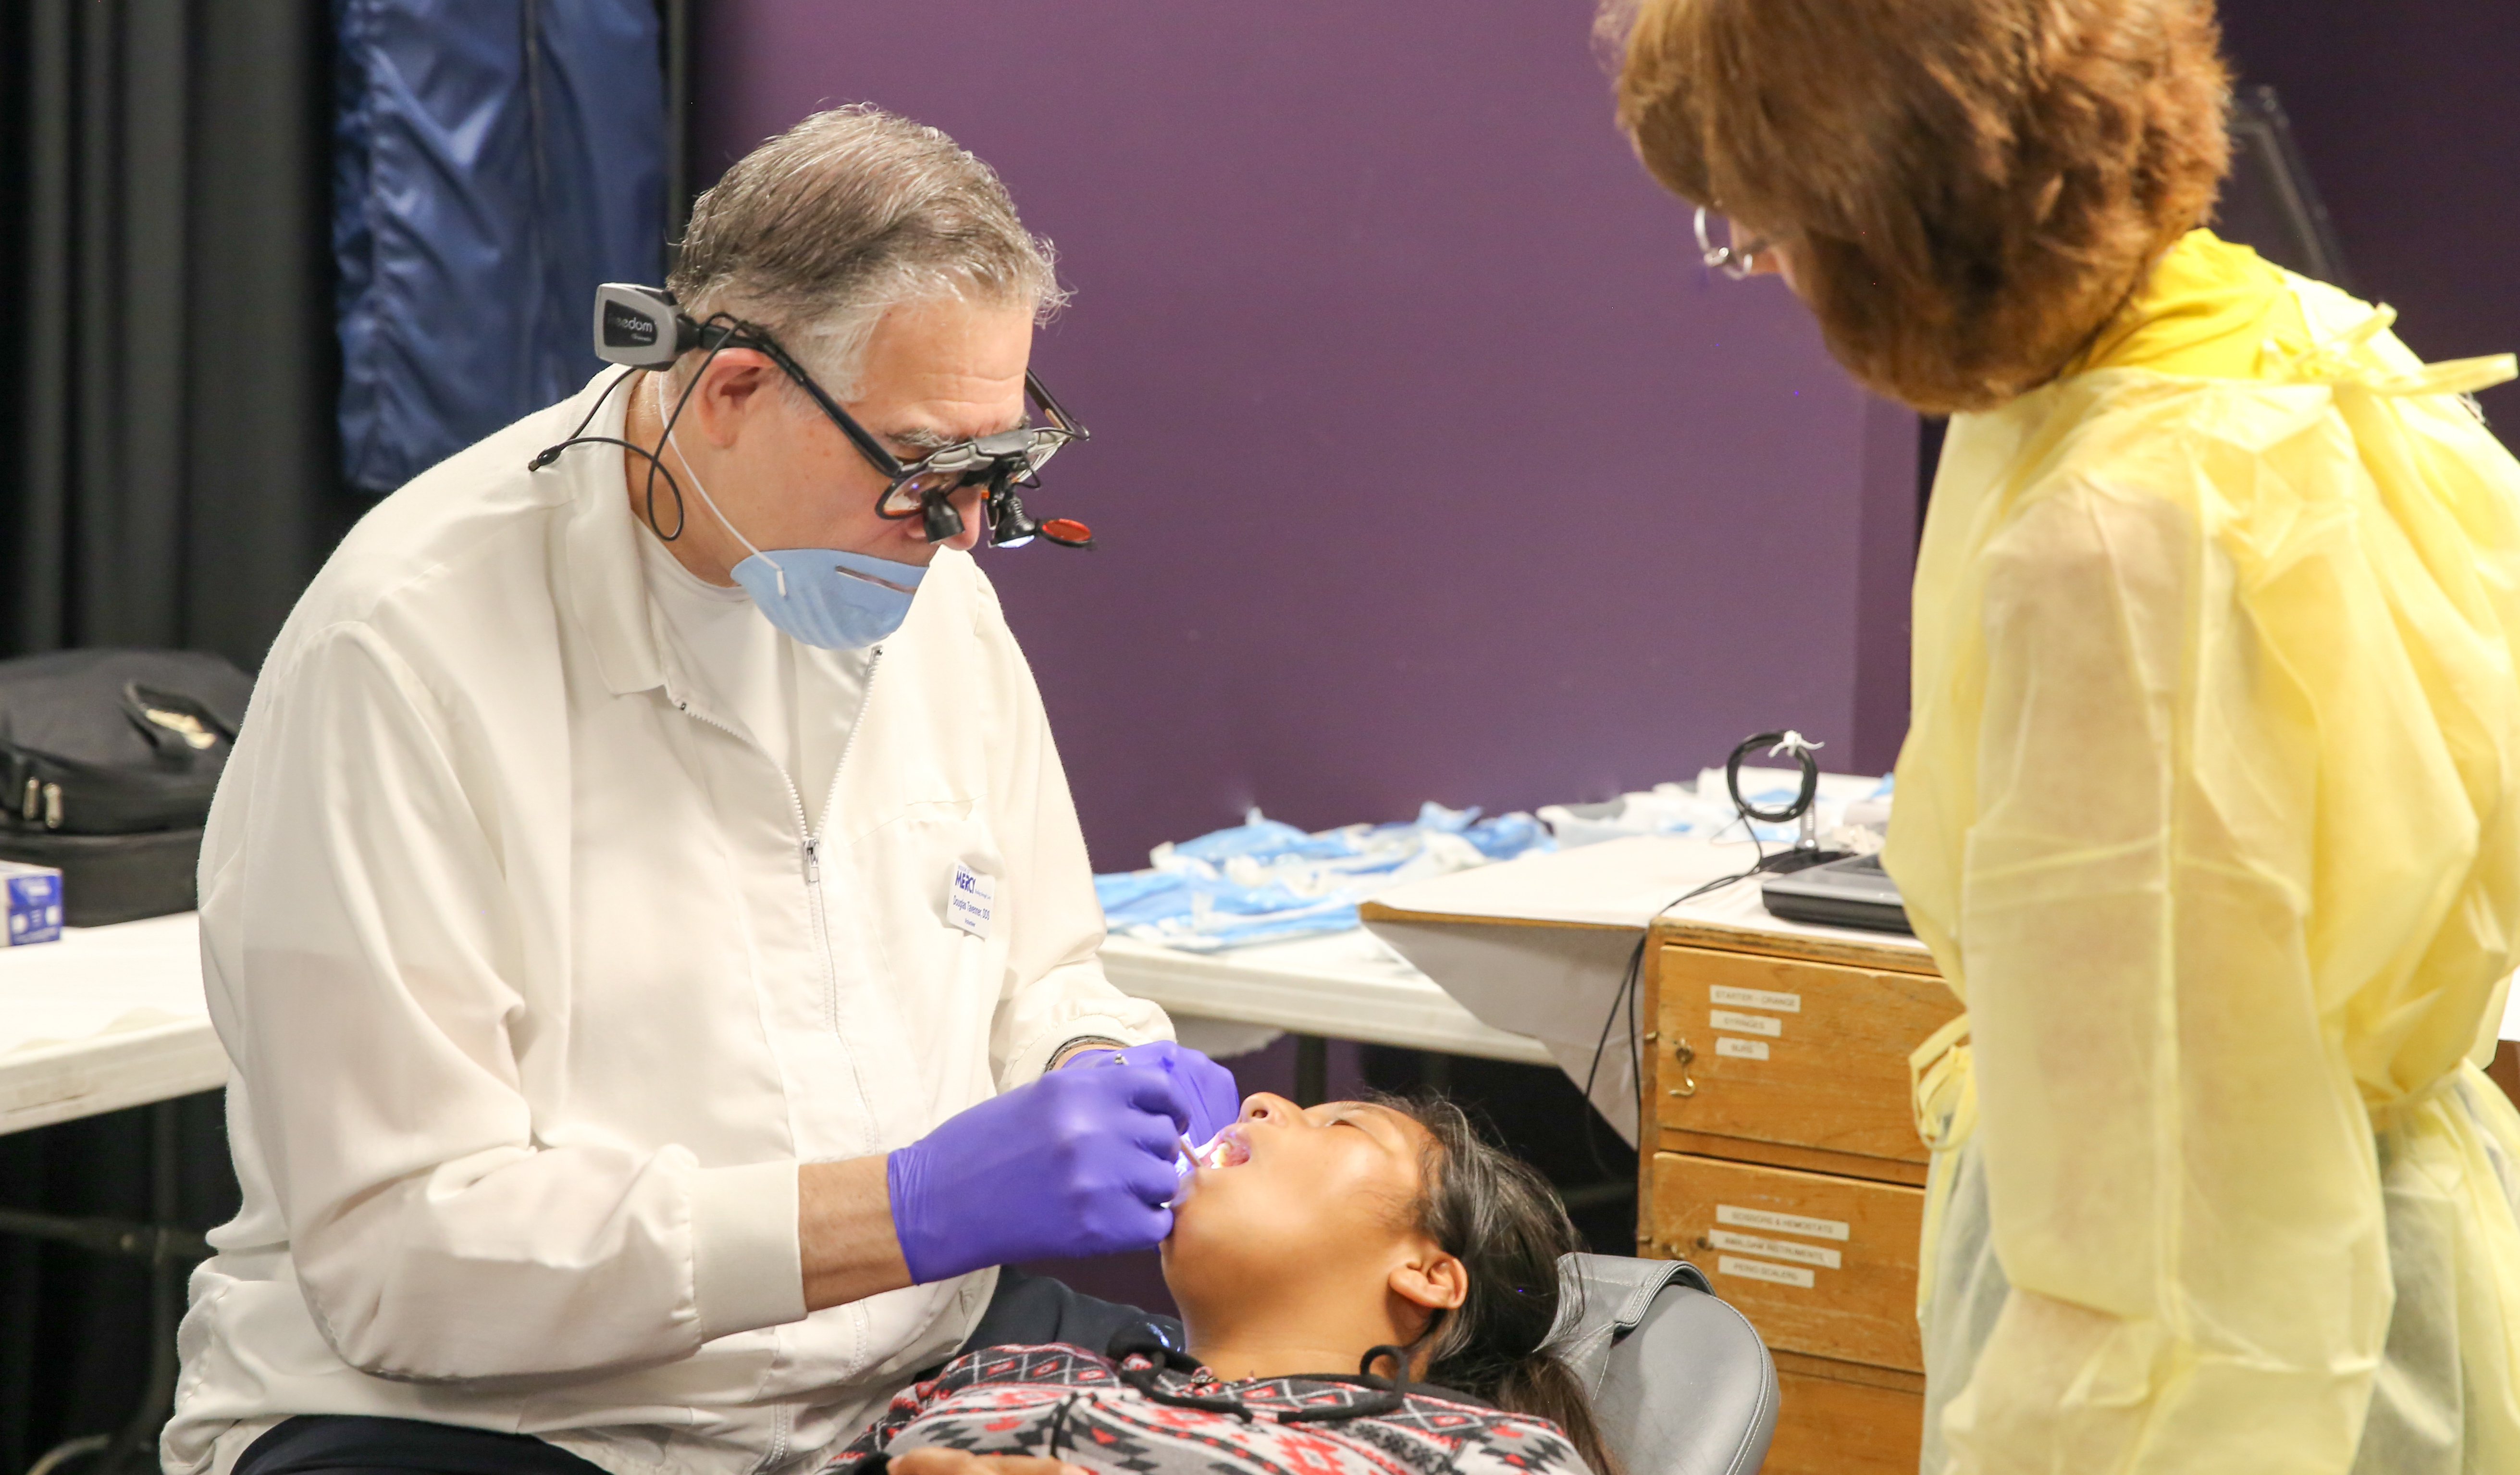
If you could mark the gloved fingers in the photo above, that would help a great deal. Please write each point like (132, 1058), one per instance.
(1122, 1225)
(1128, 1109)
(1150, 1089)
(1216, 1098)
(1200, 1075)
(1080, 1162)
(1145, 1178)
(1209, 1096)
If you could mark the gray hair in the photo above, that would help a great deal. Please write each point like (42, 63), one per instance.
(821, 230)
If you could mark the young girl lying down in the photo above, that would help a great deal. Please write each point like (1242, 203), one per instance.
(1367, 1288)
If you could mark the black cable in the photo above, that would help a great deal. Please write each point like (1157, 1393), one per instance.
(1803, 798)
(1058, 1423)
(1624, 1000)
(728, 329)
(1388, 1395)
(550, 454)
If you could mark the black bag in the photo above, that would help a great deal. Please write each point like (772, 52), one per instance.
(108, 762)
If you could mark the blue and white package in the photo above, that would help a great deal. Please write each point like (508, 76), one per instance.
(1265, 882)
(33, 897)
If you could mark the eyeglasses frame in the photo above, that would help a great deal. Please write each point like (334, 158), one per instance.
(730, 332)
(1740, 263)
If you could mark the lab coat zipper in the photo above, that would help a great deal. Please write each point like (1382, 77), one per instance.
(814, 843)
(808, 850)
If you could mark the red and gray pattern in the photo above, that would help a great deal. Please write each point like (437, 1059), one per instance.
(1068, 1403)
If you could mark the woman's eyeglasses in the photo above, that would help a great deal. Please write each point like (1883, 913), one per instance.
(1738, 262)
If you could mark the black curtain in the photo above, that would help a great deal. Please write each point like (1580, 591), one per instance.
(170, 391)
(172, 478)
(166, 421)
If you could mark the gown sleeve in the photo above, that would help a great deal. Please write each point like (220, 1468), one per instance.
(2180, 1160)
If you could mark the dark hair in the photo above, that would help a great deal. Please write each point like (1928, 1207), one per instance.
(1501, 1219)
(1972, 187)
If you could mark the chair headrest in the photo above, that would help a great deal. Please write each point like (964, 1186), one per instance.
(1602, 1298)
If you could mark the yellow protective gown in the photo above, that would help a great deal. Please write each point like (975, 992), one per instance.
(2210, 812)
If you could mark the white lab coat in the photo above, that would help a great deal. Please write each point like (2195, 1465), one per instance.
(536, 991)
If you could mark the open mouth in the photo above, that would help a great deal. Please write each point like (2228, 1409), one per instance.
(1226, 1149)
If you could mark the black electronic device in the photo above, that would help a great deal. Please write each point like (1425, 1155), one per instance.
(1851, 892)
(640, 326)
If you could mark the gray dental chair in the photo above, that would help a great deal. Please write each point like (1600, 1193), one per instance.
(1679, 1381)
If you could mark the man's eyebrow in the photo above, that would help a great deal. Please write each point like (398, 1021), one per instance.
(930, 439)
(920, 438)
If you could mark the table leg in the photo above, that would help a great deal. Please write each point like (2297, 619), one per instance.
(172, 1253)
(1312, 1070)
(136, 1452)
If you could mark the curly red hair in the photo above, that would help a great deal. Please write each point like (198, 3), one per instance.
(1970, 188)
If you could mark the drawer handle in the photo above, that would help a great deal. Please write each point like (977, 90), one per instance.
(1682, 1051)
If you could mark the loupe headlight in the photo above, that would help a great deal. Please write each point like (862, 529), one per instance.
(1009, 525)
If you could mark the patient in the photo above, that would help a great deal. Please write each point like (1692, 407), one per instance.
(1384, 1236)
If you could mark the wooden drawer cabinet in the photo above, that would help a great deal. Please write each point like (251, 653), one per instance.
(1823, 1266)
(1783, 1159)
(1843, 1419)
(1792, 1062)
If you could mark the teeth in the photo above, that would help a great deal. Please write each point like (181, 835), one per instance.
(1226, 1149)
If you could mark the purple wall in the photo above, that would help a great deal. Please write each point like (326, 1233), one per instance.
(1429, 462)
(2408, 114)
(1430, 465)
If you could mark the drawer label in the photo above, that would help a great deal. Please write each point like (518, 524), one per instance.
(1747, 1024)
(1741, 1049)
(1775, 1249)
(1755, 999)
(1779, 1224)
(1760, 1270)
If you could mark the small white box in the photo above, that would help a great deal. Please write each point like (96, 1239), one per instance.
(31, 902)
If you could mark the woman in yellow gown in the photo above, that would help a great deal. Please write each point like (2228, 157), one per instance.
(2210, 804)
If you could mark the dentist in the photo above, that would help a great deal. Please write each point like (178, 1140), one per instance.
(645, 914)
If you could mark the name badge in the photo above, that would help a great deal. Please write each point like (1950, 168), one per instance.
(969, 898)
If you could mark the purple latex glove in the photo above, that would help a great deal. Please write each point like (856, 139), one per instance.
(1079, 1162)
(1207, 1089)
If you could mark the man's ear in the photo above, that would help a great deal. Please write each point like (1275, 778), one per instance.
(738, 383)
(1430, 1280)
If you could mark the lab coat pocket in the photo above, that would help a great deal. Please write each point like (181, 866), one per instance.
(947, 868)
(938, 921)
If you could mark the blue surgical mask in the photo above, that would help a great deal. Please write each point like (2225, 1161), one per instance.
(822, 596)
